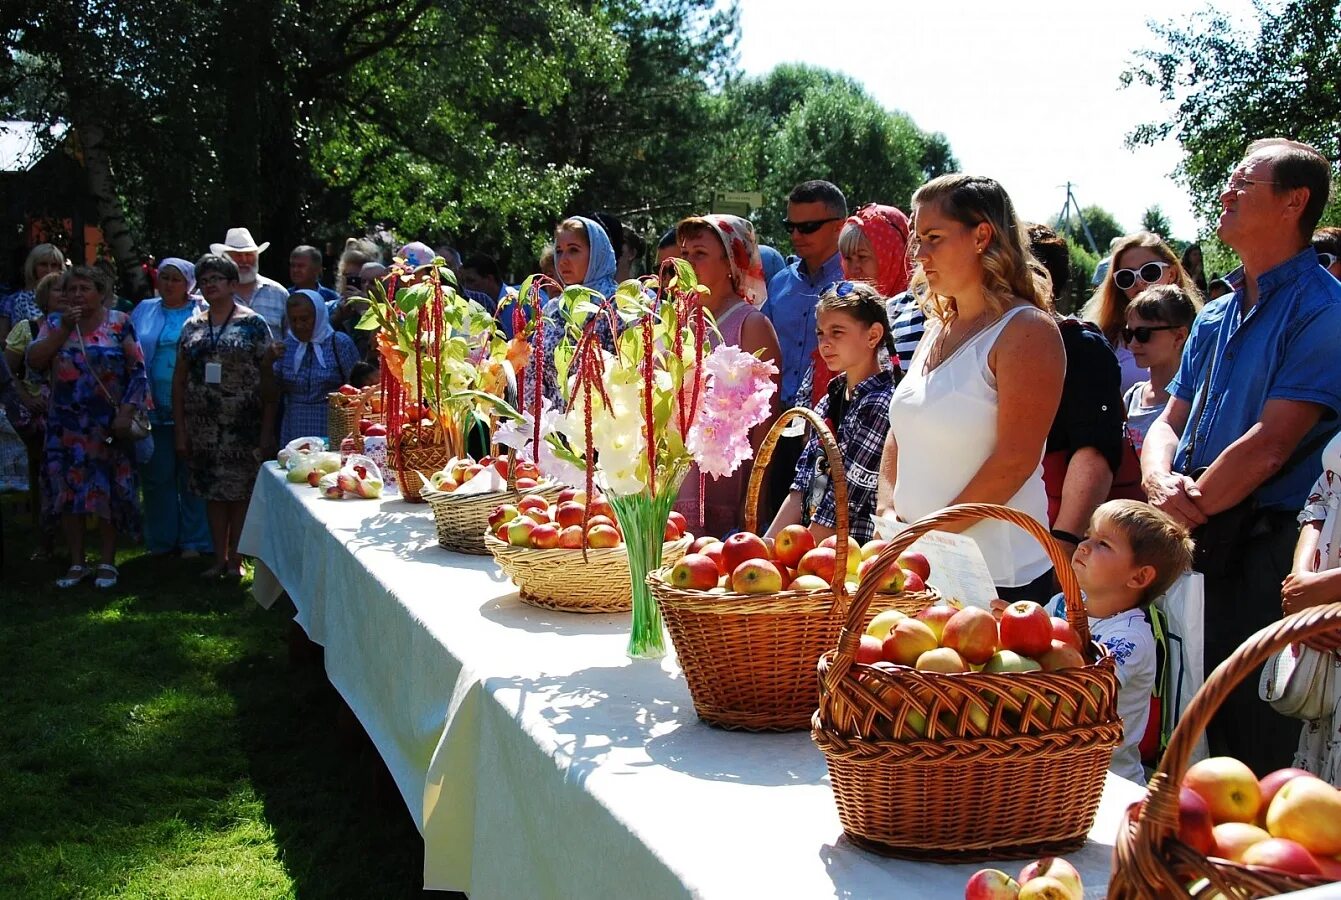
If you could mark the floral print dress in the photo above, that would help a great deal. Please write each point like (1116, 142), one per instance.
(85, 472)
(224, 419)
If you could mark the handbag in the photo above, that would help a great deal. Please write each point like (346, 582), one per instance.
(139, 430)
(1300, 682)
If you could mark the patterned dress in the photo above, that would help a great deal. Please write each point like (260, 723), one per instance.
(306, 384)
(85, 473)
(224, 419)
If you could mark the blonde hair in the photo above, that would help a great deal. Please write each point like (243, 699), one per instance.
(1107, 308)
(1010, 272)
(576, 226)
(357, 250)
(42, 292)
(40, 253)
(852, 238)
(1156, 540)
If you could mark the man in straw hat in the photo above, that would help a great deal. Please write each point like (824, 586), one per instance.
(266, 297)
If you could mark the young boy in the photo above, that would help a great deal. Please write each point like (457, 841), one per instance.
(1130, 557)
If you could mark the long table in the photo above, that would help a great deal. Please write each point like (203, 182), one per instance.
(536, 758)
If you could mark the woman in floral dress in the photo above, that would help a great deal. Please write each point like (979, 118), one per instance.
(224, 396)
(98, 381)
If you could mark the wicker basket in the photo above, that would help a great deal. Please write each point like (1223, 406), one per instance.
(970, 766)
(717, 636)
(1149, 860)
(412, 461)
(563, 580)
(463, 520)
(342, 417)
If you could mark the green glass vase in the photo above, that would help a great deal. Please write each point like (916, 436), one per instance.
(643, 519)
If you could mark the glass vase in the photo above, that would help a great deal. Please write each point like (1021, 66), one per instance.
(643, 519)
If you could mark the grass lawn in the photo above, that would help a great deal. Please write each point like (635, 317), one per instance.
(156, 741)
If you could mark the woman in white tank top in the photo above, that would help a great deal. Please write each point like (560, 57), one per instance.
(969, 420)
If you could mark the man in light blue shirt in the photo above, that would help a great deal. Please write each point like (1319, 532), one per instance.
(1256, 398)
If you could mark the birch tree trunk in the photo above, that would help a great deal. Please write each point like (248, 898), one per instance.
(111, 215)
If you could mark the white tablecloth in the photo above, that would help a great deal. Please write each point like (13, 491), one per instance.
(536, 758)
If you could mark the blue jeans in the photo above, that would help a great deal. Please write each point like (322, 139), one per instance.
(173, 516)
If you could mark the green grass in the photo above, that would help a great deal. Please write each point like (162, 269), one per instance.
(156, 741)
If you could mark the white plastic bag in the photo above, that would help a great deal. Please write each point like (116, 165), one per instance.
(1184, 608)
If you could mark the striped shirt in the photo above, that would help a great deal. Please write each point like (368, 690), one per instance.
(906, 323)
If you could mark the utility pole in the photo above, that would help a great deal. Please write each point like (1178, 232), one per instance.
(1064, 219)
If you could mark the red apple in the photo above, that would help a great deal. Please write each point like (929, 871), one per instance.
(714, 552)
(602, 537)
(820, 561)
(573, 495)
(524, 483)
(1330, 865)
(1057, 868)
(681, 522)
(601, 507)
(501, 466)
(941, 659)
(971, 631)
(1270, 784)
(916, 562)
(1233, 838)
(501, 532)
(532, 501)
(695, 572)
(701, 542)
(1307, 811)
(872, 548)
(1194, 822)
(908, 640)
(314, 477)
(571, 538)
(1026, 629)
(376, 429)
(868, 651)
(1061, 656)
(545, 536)
(1283, 854)
(756, 576)
(742, 546)
(884, 622)
(600, 520)
(1229, 788)
(807, 583)
(991, 884)
(853, 551)
(792, 543)
(519, 531)
(891, 582)
(502, 514)
(1045, 888)
(1062, 631)
(672, 531)
(568, 513)
(912, 582)
(935, 616)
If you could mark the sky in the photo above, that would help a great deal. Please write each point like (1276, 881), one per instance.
(1027, 93)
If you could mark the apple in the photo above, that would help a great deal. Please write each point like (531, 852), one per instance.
(1026, 628)
(742, 546)
(1045, 888)
(376, 429)
(571, 537)
(538, 516)
(971, 631)
(348, 390)
(600, 520)
(991, 884)
(935, 617)
(1330, 865)
(1061, 656)
(714, 552)
(1283, 854)
(602, 537)
(853, 551)
(1307, 811)
(916, 562)
(501, 532)
(821, 561)
(872, 548)
(501, 467)
(545, 536)
(808, 583)
(1009, 661)
(569, 513)
(1229, 788)
(756, 576)
(1233, 838)
(503, 513)
(941, 659)
(672, 531)
(525, 483)
(680, 521)
(601, 507)
(1194, 822)
(695, 572)
(908, 640)
(1057, 868)
(912, 582)
(572, 495)
(792, 543)
(527, 469)
(533, 501)
(1270, 784)
(519, 531)
(880, 626)
(1062, 631)
(891, 582)
(869, 650)
(701, 542)
(314, 477)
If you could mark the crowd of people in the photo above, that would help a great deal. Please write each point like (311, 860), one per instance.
(1173, 406)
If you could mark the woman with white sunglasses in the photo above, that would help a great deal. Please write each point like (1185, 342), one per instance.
(1327, 244)
(1140, 261)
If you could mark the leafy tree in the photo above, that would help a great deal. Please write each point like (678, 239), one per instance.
(1154, 220)
(1103, 226)
(1231, 86)
(1079, 289)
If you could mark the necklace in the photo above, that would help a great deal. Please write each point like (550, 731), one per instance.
(940, 352)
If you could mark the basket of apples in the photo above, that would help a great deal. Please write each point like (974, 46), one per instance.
(570, 555)
(728, 599)
(1215, 829)
(465, 493)
(344, 409)
(956, 737)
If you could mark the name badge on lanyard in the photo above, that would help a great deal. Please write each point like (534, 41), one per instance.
(213, 373)
(214, 370)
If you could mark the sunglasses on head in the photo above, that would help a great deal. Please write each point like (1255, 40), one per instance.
(1326, 260)
(1148, 274)
(1141, 335)
(808, 227)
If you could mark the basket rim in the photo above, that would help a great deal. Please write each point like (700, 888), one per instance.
(433, 495)
(668, 593)
(513, 552)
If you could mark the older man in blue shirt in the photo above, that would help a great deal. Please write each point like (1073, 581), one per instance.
(1256, 398)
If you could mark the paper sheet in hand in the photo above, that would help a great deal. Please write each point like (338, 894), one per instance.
(957, 565)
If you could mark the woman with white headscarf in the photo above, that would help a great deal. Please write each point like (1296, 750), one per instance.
(313, 361)
(174, 518)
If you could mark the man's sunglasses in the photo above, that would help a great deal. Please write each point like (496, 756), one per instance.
(1326, 260)
(1142, 334)
(808, 227)
(1148, 273)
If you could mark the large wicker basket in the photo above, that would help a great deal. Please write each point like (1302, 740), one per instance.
(718, 637)
(968, 766)
(565, 581)
(463, 520)
(413, 462)
(1150, 860)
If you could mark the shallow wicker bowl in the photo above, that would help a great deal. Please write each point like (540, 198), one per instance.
(563, 580)
(462, 521)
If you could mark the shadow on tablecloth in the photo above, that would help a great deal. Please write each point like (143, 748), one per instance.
(513, 613)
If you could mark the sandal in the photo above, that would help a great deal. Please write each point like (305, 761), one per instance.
(76, 574)
(107, 575)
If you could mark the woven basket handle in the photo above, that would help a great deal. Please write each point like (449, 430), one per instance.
(850, 637)
(836, 476)
(1159, 818)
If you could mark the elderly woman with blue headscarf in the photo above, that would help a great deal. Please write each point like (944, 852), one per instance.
(313, 361)
(174, 518)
